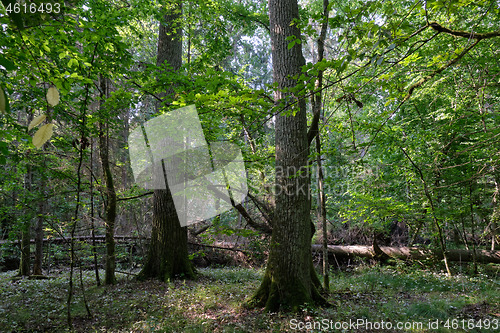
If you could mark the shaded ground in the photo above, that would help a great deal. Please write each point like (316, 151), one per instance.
(365, 296)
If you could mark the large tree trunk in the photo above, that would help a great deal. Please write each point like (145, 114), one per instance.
(289, 280)
(168, 255)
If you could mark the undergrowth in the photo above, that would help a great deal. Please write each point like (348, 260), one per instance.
(213, 303)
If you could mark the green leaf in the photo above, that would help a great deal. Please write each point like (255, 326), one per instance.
(37, 121)
(43, 134)
(9, 65)
(72, 62)
(4, 148)
(3, 101)
(322, 65)
(53, 96)
(379, 61)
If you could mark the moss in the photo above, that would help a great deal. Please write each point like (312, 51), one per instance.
(259, 298)
(292, 297)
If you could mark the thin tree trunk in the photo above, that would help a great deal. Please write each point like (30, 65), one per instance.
(92, 222)
(440, 236)
(75, 218)
(37, 265)
(317, 108)
(24, 267)
(496, 209)
(473, 225)
(322, 215)
(110, 204)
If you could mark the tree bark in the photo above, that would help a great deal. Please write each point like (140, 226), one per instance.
(24, 267)
(37, 265)
(290, 280)
(317, 105)
(322, 215)
(495, 218)
(110, 204)
(92, 222)
(168, 255)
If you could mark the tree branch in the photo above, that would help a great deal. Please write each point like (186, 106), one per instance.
(263, 227)
(134, 197)
(465, 34)
(437, 71)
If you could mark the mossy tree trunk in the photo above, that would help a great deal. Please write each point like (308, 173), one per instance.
(290, 280)
(168, 254)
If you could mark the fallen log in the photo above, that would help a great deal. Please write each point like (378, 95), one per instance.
(405, 253)
(364, 251)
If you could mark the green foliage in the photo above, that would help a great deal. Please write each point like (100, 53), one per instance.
(407, 112)
(213, 302)
(376, 212)
(407, 108)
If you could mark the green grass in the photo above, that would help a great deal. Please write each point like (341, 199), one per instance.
(213, 302)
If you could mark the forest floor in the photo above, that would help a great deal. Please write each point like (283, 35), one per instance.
(365, 299)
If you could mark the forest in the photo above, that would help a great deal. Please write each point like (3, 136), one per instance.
(249, 166)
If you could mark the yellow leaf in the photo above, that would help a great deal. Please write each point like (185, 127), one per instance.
(2, 101)
(36, 121)
(53, 96)
(43, 135)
